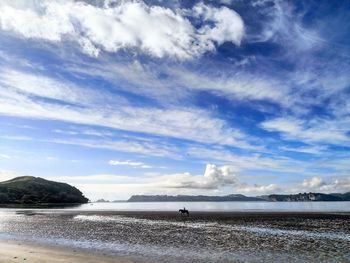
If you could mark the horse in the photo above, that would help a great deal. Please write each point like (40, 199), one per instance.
(184, 211)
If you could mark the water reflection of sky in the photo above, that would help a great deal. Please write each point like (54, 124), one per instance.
(216, 206)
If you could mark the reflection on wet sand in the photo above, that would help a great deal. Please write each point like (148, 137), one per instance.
(202, 237)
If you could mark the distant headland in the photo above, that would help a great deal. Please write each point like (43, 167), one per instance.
(36, 191)
(301, 197)
(191, 198)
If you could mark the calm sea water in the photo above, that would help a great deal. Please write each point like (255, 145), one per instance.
(220, 206)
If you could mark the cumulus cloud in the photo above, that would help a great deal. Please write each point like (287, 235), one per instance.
(339, 185)
(328, 186)
(129, 163)
(258, 189)
(214, 177)
(229, 26)
(154, 30)
(313, 182)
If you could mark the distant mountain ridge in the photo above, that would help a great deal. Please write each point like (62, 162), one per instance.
(305, 197)
(301, 197)
(29, 190)
(192, 198)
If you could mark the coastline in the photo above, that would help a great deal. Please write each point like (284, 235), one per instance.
(33, 252)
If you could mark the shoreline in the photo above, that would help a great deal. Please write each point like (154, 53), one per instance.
(175, 214)
(13, 250)
(193, 216)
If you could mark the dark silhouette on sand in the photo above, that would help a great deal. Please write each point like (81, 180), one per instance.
(184, 211)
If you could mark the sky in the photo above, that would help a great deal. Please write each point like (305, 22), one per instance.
(176, 97)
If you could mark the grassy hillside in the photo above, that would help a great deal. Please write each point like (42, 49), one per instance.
(36, 190)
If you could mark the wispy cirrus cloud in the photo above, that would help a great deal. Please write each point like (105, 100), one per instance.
(130, 163)
(5, 156)
(284, 25)
(305, 149)
(178, 122)
(318, 130)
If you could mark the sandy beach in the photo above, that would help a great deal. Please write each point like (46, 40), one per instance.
(145, 236)
(20, 251)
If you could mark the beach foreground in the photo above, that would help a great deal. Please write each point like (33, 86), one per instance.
(144, 236)
(21, 251)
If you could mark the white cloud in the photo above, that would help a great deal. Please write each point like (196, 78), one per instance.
(285, 26)
(258, 189)
(129, 163)
(338, 185)
(305, 149)
(155, 30)
(143, 78)
(97, 179)
(82, 131)
(119, 186)
(32, 84)
(214, 178)
(335, 185)
(39, 86)
(247, 162)
(313, 182)
(5, 156)
(317, 130)
(129, 146)
(237, 85)
(7, 175)
(52, 25)
(229, 26)
(109, 111)
(286, 125)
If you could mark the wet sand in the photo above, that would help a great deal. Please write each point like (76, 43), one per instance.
(19, 251)
(202, 236)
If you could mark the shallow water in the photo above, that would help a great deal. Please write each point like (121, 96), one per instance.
(215, 206)
(221, 206)
(202, 237)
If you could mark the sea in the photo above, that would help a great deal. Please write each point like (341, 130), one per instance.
(213, 232)
(219, 206)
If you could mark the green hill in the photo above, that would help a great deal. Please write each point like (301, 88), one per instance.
(29, 190)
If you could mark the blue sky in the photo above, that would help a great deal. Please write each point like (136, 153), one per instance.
(176, 97)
